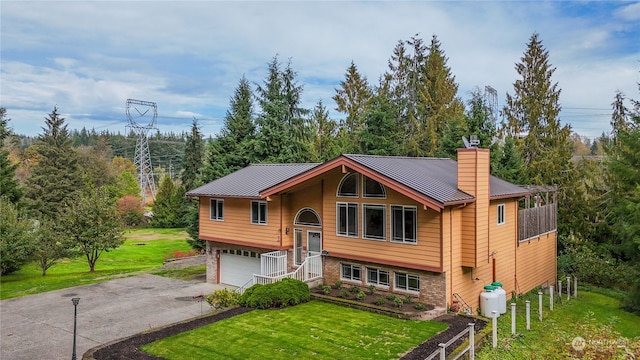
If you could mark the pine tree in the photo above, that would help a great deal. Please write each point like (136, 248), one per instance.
(17, 243)
(323, 130)
(56, 178)
(193, 155)
(9, 186)
(382, 133)
(352, 99)
(531, 117)
(169, 205)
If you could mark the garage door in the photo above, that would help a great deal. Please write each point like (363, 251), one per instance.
(238, 266)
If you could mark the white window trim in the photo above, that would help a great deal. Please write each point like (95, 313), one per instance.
(211, 204)
(415, 225)
(296, 222)
(382, 207)
(407, 290)
(348, 279)
(298, 261)
(378, 285)
(338, 220)
(501, 209)
(357, 186)
(266, 213)
(364, 189)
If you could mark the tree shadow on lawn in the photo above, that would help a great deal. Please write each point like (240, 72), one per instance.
(129, 348)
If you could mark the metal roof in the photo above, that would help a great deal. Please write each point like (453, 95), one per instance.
(249, 181)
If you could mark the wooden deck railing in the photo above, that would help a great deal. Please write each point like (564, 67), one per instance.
(537, 221)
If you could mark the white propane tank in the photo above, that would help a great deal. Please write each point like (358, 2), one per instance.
(502, 297)
(489, 301)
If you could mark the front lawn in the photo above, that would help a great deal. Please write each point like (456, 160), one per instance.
(312, 330)
(144, 250)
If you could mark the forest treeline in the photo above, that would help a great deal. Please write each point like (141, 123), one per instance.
(412, 109)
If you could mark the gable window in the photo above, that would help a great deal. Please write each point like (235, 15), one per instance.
(259, 212)
(216, 209)
(350, 272)
(373, 221)
(404, 223)
(372, 189)
(348, 186)
(501, 219)
(347, 221)
(406, 282)
(377, 277)
(307, 217)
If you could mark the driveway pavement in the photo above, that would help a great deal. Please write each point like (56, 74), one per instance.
(41, 326)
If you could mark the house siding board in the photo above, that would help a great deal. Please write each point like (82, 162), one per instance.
(536, 262)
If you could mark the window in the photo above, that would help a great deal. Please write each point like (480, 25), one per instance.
(259, 212)
(350, 272)
(372, 189)
(347, 221)
(297, 245)
(348, 186)
(407, 282)
(377, 277)
(307, 217)
(403, 223)
(501, 214)
(373, 221)
(216, 209)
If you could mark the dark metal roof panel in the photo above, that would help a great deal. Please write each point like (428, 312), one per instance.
(501, 188)
(249, 181)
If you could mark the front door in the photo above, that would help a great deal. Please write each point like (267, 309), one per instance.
(314, 242)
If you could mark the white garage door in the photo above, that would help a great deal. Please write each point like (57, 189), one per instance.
(238, 266)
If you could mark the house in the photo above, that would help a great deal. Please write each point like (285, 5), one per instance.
(435, 229)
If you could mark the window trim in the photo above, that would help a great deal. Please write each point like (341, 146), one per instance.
(501, 214)
(377, 282)
(351, 267)
(218, 203)
(357, 181)
(266, 212)
(407, 276)
(382, 207)
(348, 205)
(298, 244)
(296, 222)
(370, 196)
(415, 224)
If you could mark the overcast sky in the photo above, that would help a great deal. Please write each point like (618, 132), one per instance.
(88, 58)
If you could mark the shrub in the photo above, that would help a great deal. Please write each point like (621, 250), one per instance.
(371, 289)
(326, 289)
(344, 293)
(380, 301)
(223, 298)
(176, 254)
(285, 292)
(338, 284)
(390, 297)
(361, 295)
(408, 299)
(397, 301)
(419, 306)
(354, 289)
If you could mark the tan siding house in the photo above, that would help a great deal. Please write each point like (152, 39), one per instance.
(435, 229)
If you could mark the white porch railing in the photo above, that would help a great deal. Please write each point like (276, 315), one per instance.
(309, 270)
(273, 263)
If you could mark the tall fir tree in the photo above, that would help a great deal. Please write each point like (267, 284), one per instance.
(324, 132)
(56, 178)
(10, 188)
(382, 133)
(193, 157)
(531, 118)
(352, 99)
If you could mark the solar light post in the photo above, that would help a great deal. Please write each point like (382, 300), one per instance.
(75, 302)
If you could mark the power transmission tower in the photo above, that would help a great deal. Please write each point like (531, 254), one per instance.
(142, 119)
(491, 99)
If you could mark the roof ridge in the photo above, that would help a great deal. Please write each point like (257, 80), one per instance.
(400, 157)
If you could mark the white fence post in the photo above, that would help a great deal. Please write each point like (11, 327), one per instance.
(568, 287)
(513, 318)
(540, 305)
(551, 289)
(443, 351)
(575, 287)
(472, 341)
(494, 324)
(528, 313)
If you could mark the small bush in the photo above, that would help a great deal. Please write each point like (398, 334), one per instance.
(361, 295)
(354, 289)
(285, 292)
(397, 302)
(326, 289)
(419, 306)
(223, 298)
(371, 289)
(390, 297)
(338, 284)
(344, 294)
(408, 299)
(176, 254)
(380, 301)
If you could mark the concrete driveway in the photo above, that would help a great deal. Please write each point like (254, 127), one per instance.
(41, 326)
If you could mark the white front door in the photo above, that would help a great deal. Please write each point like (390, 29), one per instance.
(314, 242)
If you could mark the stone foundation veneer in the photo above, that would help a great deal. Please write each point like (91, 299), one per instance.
(433, 286)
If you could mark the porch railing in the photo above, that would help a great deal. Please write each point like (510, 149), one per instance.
(309, 270)
(273, 263)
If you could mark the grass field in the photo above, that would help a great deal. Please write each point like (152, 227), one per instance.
(143, 251)
(311, 330)
(610, 333)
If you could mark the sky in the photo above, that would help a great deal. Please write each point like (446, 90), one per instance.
(88, 57)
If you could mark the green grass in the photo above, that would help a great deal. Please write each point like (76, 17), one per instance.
(143, 251)
(188, 273)
(311, 330)
(592, 316)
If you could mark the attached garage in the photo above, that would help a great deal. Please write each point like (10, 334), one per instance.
(238, 266)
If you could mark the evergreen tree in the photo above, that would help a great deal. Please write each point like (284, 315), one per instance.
(531, 117)
(352, 98)
(17, 243)
(169, 205)
(382, 133)
(56, 178)
(9, 186)
(193, 155)
(323, 130)
(508, 164)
